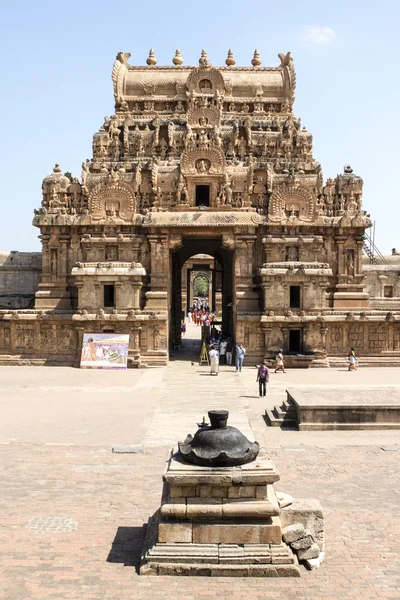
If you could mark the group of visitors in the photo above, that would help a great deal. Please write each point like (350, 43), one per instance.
(221, 349)
(201, 314)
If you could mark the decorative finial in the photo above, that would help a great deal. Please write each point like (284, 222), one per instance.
(348, 169)
(230, 60)
(204, 62)
(57, 168)
(151, 61)
(256, 62)
(177, 60)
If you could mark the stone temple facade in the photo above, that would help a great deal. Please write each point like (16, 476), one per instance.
(204, 160)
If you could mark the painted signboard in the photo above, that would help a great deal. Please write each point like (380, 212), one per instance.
(105, 351)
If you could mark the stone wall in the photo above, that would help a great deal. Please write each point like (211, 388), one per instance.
(383, 282)
(19, 278)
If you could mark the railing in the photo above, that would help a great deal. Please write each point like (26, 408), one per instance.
(373, 253)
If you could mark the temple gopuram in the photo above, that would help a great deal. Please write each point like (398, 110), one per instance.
(210, 165)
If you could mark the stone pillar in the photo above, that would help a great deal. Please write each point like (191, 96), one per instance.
(246, 297)
(80, 331)
(323, 331)
(52, 290)
(135, 345)
(306, 331)
(340, 257)
(117, 298)
(63, 256)
(285, 333)
(156, 298)
(358, 257)
(267, 333)
(45, 254)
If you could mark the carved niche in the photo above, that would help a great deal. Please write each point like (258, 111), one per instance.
(114, 199)
(206, 89)
(206, 80)
(292, 202)
(209, 161)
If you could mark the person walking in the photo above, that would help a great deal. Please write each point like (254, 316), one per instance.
(222, 351)
(229, 350)
(280, 363)
(189, 316)
(240, 352)
(214, 361)
(262, 378)
(352, 360)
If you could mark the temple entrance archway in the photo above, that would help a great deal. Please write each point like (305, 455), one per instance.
(200, 283)
(207, 259)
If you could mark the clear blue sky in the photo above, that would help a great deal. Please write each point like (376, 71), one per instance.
(56, 62)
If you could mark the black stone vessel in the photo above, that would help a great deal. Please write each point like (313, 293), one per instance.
(218, 445)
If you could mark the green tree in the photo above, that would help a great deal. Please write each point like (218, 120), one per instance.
(200, 286)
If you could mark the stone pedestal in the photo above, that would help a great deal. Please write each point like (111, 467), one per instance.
(218, 521)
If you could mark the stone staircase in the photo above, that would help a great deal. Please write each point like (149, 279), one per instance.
(283, 415)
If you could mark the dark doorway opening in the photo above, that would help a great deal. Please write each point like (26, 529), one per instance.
(109, 296)
(294, 340)
(202, 195)
(294, 296)
(221, 285)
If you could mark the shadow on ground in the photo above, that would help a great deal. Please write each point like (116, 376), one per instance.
(127, 546)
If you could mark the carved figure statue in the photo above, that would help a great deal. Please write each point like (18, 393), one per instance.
(203, 166)
(53, 262)
(189, 138)
(350, 263)
(292, 254)
(225, 192)
(163, 148)
(242, 148)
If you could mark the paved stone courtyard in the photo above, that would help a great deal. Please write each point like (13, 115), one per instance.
(73, 512)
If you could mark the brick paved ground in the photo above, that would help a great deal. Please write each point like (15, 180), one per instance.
(50, 479)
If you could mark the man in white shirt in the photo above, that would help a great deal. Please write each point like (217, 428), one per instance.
(222, 350)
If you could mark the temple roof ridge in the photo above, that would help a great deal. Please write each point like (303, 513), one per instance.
(131, 81)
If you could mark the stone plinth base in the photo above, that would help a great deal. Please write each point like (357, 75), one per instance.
(218, 521)
(53, 299)
(215, 560)
(338, 407)
(346, 407)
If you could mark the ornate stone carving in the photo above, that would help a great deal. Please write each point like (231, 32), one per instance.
(114, 199)
(294, 202)
(210, 78)
(211, 155)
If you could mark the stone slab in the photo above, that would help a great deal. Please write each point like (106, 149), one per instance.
(124, 449)
(242, 508)
(310, 553)
(292, 533)
(261, 471)
(174, 532)
(210, 570)
(315, 563)
(204, 508)
(212, 560)
(258, 532)
(307, 512)
(345, 407)
(303, 543)
(174, 509)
